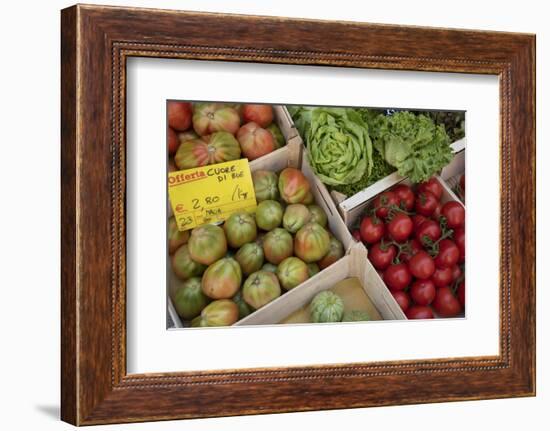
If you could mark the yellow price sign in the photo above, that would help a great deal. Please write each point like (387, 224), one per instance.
(210, 194)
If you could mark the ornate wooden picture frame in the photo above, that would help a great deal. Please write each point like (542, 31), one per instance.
(96, 42)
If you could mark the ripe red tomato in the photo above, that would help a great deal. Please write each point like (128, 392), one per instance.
(397, 276)
(443, 276)
(381, 257)
(357, 235)
(456, 272)
(445, 303)
(448, 254)
(402, 299)
(429, 229)
(173, 141)
(433, 186)
(418, 219)
(437, 212)
(461, 294)
(383, 202)
(372, 229)
(414, 247)
(423, 292)
(262, 115)
(419, 312)
(400, 227)
(454, 213)
(425, 203)
(179, 115)
(405, 196)
(421, 265)
(459, 237)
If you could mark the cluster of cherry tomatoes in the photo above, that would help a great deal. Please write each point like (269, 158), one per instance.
(417, 245)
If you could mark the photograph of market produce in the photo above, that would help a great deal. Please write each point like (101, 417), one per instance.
(287, 214)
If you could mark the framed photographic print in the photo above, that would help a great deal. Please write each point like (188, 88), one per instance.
(285, 213)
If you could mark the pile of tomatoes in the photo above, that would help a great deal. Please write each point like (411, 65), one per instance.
(417, 245)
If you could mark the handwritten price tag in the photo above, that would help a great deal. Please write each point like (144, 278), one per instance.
(211, 193)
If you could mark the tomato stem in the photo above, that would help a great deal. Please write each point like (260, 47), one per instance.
(401, 248)
(394, 209)
(434, 245)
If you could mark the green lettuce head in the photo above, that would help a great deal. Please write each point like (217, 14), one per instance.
(340, 149)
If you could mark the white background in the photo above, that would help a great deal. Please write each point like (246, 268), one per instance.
(29, 276)
(153, 349)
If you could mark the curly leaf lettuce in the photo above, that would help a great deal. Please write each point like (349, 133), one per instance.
(412, 144)
(340, 149)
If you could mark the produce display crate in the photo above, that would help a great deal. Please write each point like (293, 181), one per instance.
(353, 264)
(349, 205)
(282, 118)
(355, 215)
(291, 155)
(284, 121)
(454, 170)
(172, 318)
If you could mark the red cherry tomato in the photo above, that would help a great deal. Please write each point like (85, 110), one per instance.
(445, 303)
(413, 248)
(448, 254)
(383, 202)
(402, 299)
(397, 276)
(418, 219)
(419, 312)
(433, 186)
(405, 196)
(437, 212)
(459, 237)
(382, 256)
(425, 203)
(429, 229)
(456, 272)
(372, 229)
(461, 294)
(423, 292)
(454, 214)
(400, 227)
(421, 265)
(443, 276)
(357, 235)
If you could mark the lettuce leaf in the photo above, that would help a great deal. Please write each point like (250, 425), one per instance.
(413, 144)
(380, 169)
(301, 115)
(339, 146)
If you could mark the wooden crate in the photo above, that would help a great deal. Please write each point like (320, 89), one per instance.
(348, 205)
(291, 155)
(354, 215)
(354, 264)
